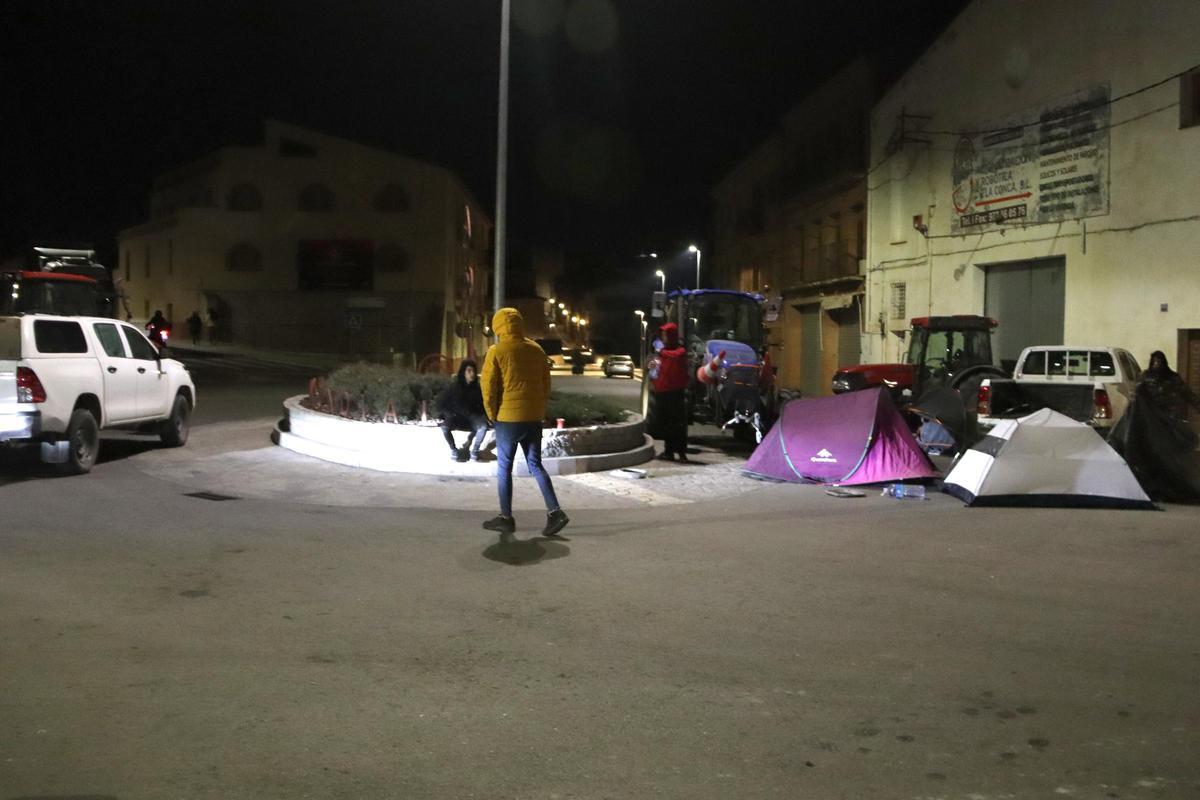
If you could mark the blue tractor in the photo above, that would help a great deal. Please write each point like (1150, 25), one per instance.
(733, 382)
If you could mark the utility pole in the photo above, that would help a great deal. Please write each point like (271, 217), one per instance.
(501, 160)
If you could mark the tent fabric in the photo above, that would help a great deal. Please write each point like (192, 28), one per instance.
(852, 438)
(1160, 449)
(1044, 459)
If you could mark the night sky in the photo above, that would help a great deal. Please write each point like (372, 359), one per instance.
(624, 113)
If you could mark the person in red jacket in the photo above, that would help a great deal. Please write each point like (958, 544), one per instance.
(670, 395)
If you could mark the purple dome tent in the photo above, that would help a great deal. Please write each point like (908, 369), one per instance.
(858, 437)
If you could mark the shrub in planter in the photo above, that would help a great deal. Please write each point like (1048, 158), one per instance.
(371, 387)
(426, 388)
(583, 409)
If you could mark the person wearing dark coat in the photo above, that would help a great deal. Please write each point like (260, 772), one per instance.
(1154, 437)
(462, 410)
(1169, 392)
(155, 328)
(669, 415)
(195, 326)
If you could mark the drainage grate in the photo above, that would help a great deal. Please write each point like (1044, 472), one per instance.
(211, 496)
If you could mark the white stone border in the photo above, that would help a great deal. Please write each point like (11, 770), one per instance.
(388, 447)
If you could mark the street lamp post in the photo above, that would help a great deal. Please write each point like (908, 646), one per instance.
(662, 286)
(501, 160)
(696, 250)
(641, 315)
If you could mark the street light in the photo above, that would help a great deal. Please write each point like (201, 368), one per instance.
(499, 231)
(658, 273)
(693, 249)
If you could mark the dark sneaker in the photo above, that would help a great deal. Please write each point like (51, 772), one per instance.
(666, 456)
(502, 524)
(454, 454)
(556, 520)
(474, 455)
(683, 457)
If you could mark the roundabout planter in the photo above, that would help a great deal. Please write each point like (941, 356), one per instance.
(419, 447)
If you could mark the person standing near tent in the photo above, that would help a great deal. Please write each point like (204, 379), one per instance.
(1166, 389)
(669, 417)
(516, 388)
(1154, 437)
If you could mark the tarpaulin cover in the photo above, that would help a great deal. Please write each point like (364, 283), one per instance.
(1159, 448)
(857, 437)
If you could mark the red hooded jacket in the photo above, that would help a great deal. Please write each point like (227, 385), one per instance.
(672, 361)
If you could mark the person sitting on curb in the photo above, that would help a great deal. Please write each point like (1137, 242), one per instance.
(462, 410)
(516, 388)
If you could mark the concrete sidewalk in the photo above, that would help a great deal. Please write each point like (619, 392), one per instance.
(238, 459)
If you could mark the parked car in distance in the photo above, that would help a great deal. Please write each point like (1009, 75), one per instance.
(618, 365)
(1088, 384)
(64, 379)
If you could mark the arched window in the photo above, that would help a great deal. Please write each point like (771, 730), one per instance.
(244, 197)
(391, 258)
(244, 257)
(392, 199)
(316, 197)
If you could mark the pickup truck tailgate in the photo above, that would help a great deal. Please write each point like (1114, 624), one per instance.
(1011, 399)
(10, 352)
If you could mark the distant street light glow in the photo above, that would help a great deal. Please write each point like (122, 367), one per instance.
(662, 277)
(693, 249)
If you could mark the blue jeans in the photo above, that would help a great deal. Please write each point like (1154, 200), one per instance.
(529, 436)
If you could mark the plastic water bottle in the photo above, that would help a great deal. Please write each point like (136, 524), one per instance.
(905, 491)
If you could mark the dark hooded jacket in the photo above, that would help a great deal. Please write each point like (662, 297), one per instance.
(462, 399)
(1166, 389)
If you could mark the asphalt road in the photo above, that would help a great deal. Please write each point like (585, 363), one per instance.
(758, 640)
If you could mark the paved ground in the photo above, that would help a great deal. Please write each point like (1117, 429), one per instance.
(696, 634)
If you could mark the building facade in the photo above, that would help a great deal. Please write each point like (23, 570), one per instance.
(790, 223)
(1040, 164)
(314, 243)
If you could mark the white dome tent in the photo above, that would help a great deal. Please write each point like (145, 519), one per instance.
(1044, 459)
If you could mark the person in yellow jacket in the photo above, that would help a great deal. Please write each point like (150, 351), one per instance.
(516, 386)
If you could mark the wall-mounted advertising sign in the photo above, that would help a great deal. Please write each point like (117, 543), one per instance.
(336, 264)
(1045, 165)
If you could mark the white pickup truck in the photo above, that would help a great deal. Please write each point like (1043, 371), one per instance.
(64, 379)
(1089, 384)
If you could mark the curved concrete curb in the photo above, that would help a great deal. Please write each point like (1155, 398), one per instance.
(421, 448)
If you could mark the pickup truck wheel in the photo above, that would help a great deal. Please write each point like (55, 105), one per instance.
(83, 438)
(174, 432)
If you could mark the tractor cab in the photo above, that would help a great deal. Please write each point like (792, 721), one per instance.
(942, 348)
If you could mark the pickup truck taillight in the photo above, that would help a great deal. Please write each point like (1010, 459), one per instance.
(29, 388)
(1102, 408)
(983, 403)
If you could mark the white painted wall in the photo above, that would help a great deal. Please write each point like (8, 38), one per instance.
(1005, 57)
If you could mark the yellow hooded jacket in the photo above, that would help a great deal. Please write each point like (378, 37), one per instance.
(516, 376)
